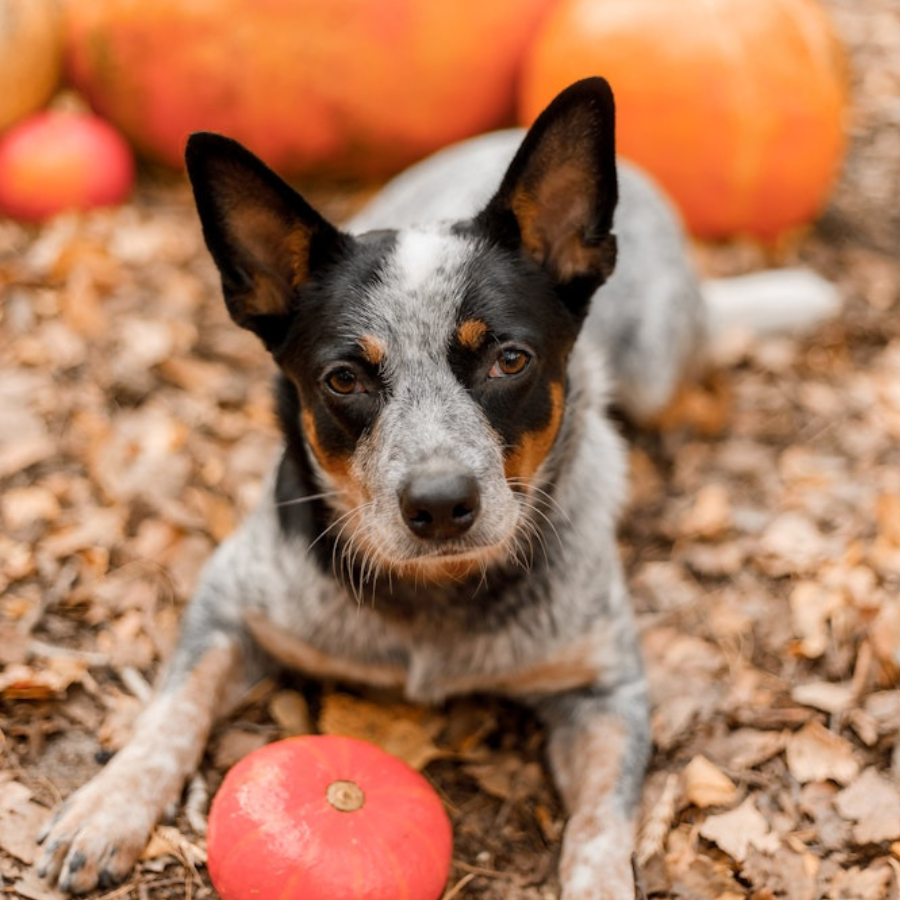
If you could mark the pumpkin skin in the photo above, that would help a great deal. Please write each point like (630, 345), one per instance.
(31, 46)
(737, 107)
(344, 87)
(59, 160)
(276, 833)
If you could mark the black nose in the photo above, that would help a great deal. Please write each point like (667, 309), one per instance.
(440, 505)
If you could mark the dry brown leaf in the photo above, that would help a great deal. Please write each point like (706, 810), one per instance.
(812, 607)
(402, 730)
(705, 784)
(747, 748)
(887, 517)
(816, 754)
(869, 883)
(234, 744)
(873, 802)
(884, 636)
(21, 820)
(792, 545)
(28, 506)
(290, 711)
(51, 679)
(825, 695)
(32, 887)
(711, 515)
(508, 777)
(737, 830)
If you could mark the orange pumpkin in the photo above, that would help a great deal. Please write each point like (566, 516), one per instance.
(358, 87)
(323, 817)
(736, 106)
(30, 56)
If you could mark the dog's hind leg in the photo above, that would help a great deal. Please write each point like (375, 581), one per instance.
(100, 831)
(598, 748)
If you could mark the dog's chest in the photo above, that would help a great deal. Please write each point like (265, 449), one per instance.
(524, 654)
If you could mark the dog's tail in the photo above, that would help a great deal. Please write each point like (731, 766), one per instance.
(781, 301)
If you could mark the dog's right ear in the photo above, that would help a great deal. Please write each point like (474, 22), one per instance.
(264, 237)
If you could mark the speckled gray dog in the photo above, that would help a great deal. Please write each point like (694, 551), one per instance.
(443, 516)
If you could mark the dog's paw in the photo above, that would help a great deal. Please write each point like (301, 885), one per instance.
(95, 838)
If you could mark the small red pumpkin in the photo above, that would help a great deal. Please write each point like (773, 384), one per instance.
(327, 818)
(58, 160)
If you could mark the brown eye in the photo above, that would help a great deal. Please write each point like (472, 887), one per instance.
(344, 381)
(511, 361)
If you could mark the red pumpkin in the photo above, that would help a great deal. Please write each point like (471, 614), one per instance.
(327, 818)
(59, 160)
(736, 106)
(351, 87)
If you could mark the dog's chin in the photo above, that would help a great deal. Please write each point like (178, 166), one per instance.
(436, 561)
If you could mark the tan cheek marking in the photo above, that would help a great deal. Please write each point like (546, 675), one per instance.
(532, 450)
(373, 349)
(336, 467)
(471, 333)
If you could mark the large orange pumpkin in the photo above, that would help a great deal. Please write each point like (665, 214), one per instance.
(736, 106)
(30, 56)
(358, 87)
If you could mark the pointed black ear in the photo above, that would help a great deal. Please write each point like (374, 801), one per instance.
(558, 196)
(264, 237)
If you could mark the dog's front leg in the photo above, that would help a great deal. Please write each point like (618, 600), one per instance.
(598, 749)
(101, 830)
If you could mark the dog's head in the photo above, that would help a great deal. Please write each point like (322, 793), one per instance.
(429, 365)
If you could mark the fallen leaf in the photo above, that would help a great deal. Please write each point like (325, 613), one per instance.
(855, 883)
(737, 830)
(52, 679)
(873, 801)
(792, 545)
(710, 516)
(825, 695)
(508, 777)
(812, 607)
(21, 820)
(291, 711)
(816, 754)
(705, 784)
(405, 731)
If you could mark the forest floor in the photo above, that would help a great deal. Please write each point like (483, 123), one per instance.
(762, 540)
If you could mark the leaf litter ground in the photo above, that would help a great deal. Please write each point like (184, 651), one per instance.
(762, 540)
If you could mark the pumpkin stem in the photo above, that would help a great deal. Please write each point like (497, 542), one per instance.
(345, 796)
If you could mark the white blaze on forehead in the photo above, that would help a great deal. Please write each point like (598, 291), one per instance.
(418, 299)
(419, 254)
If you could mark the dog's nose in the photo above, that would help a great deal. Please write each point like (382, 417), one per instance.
(440, 505)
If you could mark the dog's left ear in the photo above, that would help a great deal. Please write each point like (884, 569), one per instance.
(557, 199)
(266, 240)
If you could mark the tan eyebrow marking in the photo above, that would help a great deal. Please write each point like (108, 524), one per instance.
(373, 349)
(471, 333)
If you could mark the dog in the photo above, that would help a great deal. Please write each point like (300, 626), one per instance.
(443, 517)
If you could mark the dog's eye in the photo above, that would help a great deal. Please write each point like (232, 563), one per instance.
(511, 361)
(344, 381)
